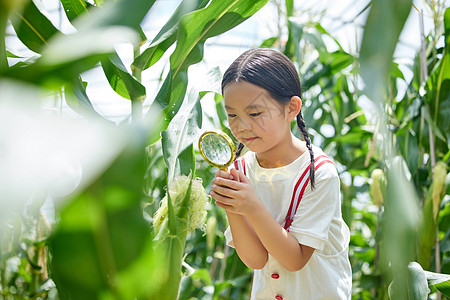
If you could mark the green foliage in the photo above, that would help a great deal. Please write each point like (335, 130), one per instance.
(103, 245)
(102, 232)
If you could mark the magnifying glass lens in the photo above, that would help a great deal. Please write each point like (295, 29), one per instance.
(216, 149)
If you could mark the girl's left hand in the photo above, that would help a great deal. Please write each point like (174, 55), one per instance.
(237, 195)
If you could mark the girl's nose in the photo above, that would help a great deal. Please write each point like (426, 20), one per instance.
(243, 125)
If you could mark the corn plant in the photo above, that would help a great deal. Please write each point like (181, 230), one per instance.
(103, 246)
(399, 141)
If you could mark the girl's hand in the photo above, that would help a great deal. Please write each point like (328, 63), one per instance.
(234, 193)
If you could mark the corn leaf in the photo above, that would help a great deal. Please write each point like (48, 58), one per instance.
(292, 47)
(171, 239)
(78, 100)
(74, 8)
(384, 23)
(166, 36)
(177, 140)
(440, 281)
(129, 13)
(32, 27)
(219, 16)
(118, 77)
(102, 232)
(438, 90)
(122, 82)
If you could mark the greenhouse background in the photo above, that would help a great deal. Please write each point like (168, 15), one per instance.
(102, 103)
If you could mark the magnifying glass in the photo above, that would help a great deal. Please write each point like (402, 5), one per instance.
(217, 148)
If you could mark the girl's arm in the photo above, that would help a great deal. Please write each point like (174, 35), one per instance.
(238, 198)
(247, 244)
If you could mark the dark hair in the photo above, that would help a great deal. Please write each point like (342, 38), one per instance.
(274, 72)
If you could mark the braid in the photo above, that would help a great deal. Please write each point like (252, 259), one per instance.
(301, 125)
(239, 150)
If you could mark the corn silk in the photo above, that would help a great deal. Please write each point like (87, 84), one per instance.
(197, 203)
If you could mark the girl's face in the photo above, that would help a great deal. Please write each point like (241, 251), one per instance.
(255, 118)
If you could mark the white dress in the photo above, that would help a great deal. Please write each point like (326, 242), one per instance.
(317, 223)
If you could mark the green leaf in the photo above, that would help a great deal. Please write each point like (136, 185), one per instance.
(401, 218)
(171, 217)
(417, 282)
(438, 92)
(218, 17)
(268, 43)
(171, 239)
(203, 275)
(74, 8)
(177, 140)
(151, 55)
(66, 56)
(440, 281)
(322, 30)
(173, 246)
(129, 13)
(314, 78)
(32, 27)
(167, 102)
(102, 232)
(316, 40)
(78, 100)
(293, 43)
(289, 7)
(166, 36)
(340, 60)
(122, 82)
(12, 55)
(433, 125)
(384, 23)
(443, 287)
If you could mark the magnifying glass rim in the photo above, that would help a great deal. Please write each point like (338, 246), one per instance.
(229, 142)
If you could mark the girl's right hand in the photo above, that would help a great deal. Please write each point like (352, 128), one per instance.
(234, 193)
(223, 174)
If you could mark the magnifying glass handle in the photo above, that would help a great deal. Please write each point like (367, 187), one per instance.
(224, 169)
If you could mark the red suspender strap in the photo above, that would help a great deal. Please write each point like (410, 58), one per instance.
(300, 187)
(239, 164)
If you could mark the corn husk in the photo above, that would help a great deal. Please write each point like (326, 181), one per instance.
(182, 210)
(197, 203)
(378, 187)
(438, 186)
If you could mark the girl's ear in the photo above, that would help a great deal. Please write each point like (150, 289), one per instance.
(294, 107)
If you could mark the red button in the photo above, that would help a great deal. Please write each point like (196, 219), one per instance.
(275, 276)
(278, 297)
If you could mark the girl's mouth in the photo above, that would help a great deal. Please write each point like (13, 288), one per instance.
(249, 139)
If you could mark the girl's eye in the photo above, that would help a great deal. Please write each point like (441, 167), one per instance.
(255, 114)
(231, 115)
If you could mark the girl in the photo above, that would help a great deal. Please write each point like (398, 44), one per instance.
(282, 197)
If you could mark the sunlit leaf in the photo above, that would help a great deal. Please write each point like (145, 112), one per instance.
(32, 27)
(168, 101)
(439, 281)
(268, 43)
(122, 82)
(129, 13)
(177, 140)
(12, 55)
(384, 23)
(166, 36)
(292, 47)
(78, 100)
(74, 8)
(218, 17)
(102, 232)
